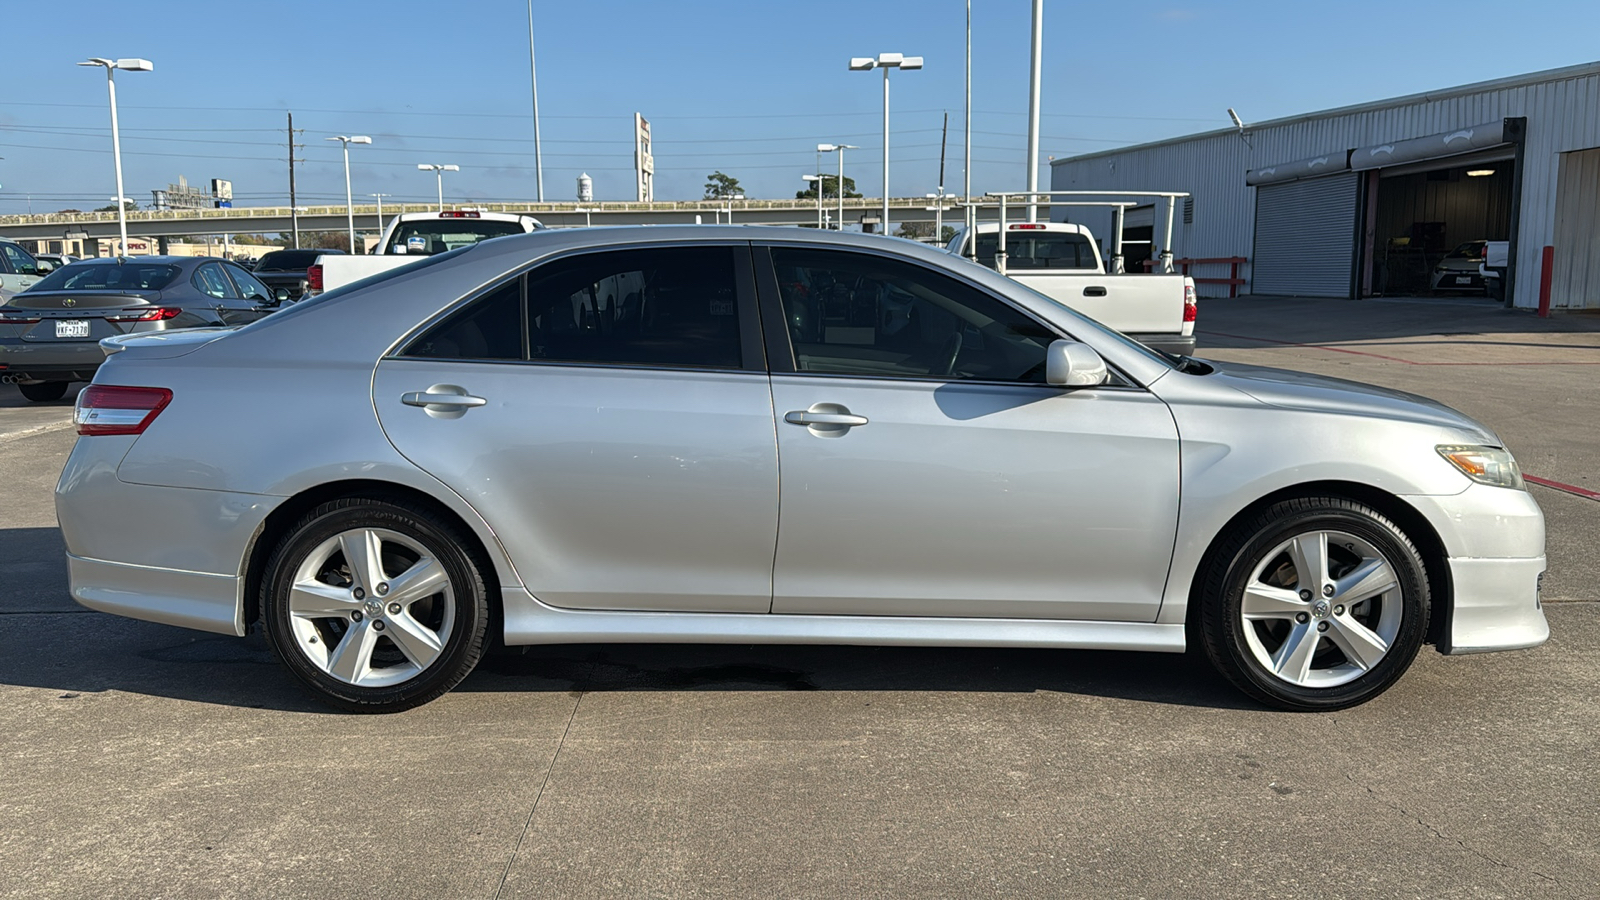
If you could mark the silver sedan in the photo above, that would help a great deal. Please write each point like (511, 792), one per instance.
(756, 435)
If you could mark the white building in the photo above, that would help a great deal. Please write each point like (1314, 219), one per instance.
(1365, 200)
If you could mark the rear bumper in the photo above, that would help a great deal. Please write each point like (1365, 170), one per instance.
(168, 596)
(50, 361)
(1180, 344)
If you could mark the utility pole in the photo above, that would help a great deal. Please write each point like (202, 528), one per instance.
(938, 216)
(294, 208)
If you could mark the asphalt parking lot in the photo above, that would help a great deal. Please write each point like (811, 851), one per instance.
(142, 760)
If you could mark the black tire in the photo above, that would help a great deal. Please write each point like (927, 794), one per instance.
(462, 610)
(1251, 543)
(44, 391)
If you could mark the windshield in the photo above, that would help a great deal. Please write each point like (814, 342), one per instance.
(436, 236)
(108, 277)
(1469, 250)
(290, 260)
(1038, 250)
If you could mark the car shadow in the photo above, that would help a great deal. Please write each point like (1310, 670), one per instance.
(1255, 322)
(55, 645)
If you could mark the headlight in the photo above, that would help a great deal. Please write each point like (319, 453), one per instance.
(1485, 465)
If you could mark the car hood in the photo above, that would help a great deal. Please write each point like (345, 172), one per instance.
(1318, 393)
(163, 344)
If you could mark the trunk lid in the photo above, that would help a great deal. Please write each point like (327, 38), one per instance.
(83, 303)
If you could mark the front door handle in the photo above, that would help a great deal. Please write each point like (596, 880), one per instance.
(443, 401)
(803, 417)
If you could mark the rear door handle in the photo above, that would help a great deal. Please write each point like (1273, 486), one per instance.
(1094, 290)
(445, 401)
(806, 417)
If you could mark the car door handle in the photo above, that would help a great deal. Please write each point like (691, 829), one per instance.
(443, 398)
(1094, 290)
(806, 417)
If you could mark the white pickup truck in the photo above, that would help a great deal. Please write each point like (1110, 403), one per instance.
(414, 236)
(1062, 261)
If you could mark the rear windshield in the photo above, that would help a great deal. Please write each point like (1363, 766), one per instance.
(1038, 250)
(426, 238)
(130, 276)
(290, 260)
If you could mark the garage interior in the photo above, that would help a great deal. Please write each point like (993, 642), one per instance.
(1419, 214)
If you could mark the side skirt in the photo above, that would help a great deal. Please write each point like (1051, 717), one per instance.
(530, 622)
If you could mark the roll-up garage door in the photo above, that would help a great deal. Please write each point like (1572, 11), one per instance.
(1305, 237)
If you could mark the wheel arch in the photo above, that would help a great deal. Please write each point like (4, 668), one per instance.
(1415, 525)
(277, 524)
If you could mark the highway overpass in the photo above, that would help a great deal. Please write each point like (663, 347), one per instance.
(276, 219)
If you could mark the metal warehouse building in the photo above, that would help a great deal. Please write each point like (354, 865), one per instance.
(1369, 200)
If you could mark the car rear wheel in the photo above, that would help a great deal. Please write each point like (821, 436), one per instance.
(44, 391)
(375, 605)
(1315, 603)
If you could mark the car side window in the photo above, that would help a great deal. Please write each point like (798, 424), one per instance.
(18, 261)
(210, 279)
(858, 314)
(674, 307)
(488, 328)
(248, 284)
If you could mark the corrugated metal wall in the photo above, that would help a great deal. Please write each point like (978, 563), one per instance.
(1305, 244)
(1562, 108)
(1576, 284)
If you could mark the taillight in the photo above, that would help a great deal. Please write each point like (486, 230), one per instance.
(314, 279)
(460, 214)
(153, 314)
(1191, 309)
(115, 409)
(14, 318)
(1027, 226)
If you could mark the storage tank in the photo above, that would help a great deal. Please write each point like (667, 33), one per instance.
(585, 188)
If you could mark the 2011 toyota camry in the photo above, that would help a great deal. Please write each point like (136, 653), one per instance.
(704, 434)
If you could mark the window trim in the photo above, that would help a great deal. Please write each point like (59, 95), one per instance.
(752, 350)
(780, 350)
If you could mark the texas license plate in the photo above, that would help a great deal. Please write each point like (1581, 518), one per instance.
(1463, 279)
(71, 328)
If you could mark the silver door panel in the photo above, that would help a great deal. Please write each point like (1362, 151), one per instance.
(974, 500)
(610, 488)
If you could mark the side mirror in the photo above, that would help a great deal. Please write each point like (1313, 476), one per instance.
(1071, 364)
(280, 295)
(42, 267)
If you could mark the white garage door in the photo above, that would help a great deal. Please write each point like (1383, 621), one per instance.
(1305, 237)
(1576, 284)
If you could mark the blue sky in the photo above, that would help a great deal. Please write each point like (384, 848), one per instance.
(748, 88)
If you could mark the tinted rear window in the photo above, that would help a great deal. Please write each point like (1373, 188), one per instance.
(290, 260)
(440, 235)
(1038, 250)
(130, 276)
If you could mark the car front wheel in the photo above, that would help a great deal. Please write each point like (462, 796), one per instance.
(1315, 603)
(375, 605)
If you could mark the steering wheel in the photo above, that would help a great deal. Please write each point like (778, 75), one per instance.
(952, 350)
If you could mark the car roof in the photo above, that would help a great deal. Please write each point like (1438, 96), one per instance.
(160, 260)
(481, 214)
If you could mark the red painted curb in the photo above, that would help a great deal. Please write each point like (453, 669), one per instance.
(1572, 489)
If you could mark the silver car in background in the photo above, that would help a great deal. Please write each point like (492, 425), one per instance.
(761, 435)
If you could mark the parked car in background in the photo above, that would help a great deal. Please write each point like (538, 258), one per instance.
(774, 435)
(1458, 271)
(1496, 260)
(56, 260)
(413, 235)
(1062, 261)
(287, 269)
(18, 269)
(50, 334)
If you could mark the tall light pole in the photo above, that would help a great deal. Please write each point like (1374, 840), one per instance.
(885, 61)
(817, 180)
(1033, 111)
(438, 172)
(841, 148)
(380, 212)
(349, 204)
(969, 216)
(533, 72)
(127, 65)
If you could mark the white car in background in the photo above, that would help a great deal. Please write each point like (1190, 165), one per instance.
(1459, 270)
(414, 236)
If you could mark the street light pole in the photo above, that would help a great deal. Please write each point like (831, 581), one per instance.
(130, 65)
(380, 212)
(885, 61)
(349, 202)
(841, 148)
(438, 172)
(1033, 111)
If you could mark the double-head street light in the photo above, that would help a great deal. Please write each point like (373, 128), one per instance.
(841, 148)
(885, 61)
(349, 204)
(111, 65)
(438, 172)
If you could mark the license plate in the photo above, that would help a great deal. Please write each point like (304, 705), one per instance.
(1463, 279)
(71, 328)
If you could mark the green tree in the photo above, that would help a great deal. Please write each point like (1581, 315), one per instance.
(112, 207)
(721, 187)
(830, 188)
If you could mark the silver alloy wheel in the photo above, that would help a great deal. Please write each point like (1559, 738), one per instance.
(361, 624)
(1321, 609)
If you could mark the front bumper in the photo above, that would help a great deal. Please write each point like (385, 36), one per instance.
(1494, 538)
